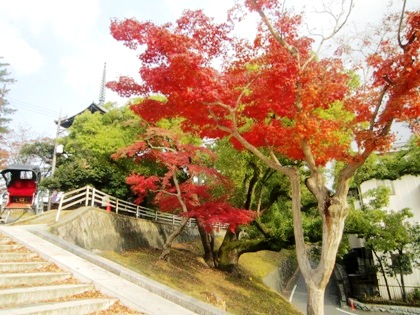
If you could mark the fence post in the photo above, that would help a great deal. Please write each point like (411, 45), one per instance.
(92, 203)
(87, 196)
(137, 212)
(57, 216)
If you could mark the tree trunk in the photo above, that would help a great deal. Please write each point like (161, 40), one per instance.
(228, 256)
(381, 266)
(400, 261)
(315, 305)
(207, 240)
(166, 249)
(333, 211)
(404, 293)
(228, 261)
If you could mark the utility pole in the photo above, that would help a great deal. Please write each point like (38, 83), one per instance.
(54, 159)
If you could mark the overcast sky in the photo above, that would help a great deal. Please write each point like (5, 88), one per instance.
(57, 49)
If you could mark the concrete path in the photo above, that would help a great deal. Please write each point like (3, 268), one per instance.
(331, 306)
(132, 289)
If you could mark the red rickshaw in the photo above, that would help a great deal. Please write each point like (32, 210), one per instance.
(22, 191)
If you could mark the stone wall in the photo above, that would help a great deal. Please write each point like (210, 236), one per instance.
(392, 309)
(279, 279)
(92, 228)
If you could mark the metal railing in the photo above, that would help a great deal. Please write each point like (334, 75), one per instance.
(90, 196)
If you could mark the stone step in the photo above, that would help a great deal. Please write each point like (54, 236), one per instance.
(18, 257)
(32, 279)
(79, 307)
(10, 247)
(5, 240)
(15, 267)
(31, 295)
(29, 286)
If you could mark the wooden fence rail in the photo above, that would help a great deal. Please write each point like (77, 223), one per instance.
(90, 196)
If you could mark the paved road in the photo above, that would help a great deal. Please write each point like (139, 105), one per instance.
(331, 306)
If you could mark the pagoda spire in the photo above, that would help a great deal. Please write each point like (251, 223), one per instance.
(102, 90)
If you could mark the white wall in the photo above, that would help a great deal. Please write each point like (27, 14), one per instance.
(406, 193)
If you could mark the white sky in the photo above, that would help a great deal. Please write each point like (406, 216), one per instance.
(57, 49)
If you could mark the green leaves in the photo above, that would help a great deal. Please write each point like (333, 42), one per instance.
(386, 232)
(93, 138)
(4, 109)
(405, 161)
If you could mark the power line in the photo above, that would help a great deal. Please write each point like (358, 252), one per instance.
(18, 104)
(28, 106)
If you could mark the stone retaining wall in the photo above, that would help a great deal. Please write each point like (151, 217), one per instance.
(279, 278)
(401, 310)
(92, 228)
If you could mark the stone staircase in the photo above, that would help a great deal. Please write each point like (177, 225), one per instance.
(31, 285)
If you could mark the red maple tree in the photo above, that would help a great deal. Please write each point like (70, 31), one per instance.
(187, 184)
(274, 96)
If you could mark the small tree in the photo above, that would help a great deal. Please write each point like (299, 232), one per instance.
(14, 141)
(398, 238)
(5, 110)
(391, 237)
(40, 152)
(184, 184)
(367, 223)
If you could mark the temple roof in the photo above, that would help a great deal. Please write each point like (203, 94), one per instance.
(93, 108)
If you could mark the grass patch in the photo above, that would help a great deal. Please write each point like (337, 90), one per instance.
(262, 263)
(186, 271)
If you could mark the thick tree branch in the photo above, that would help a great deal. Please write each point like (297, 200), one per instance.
(301, 252)
(251, 187)
(261, 227)
(377, 107)
(178, 194)
(274, 164)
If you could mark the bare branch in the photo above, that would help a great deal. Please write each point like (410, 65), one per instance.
(291, 49)
(400, 26)
(163, 192)
(223, 128)
(158, 147)
(274, 157)
(275, 165)
(337, 27)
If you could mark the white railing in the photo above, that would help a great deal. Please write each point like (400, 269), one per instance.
(89, 196)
